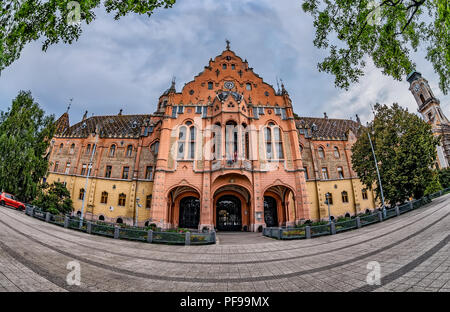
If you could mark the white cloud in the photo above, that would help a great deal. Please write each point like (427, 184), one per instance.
(129, 63)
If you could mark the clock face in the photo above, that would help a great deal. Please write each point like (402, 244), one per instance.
(416, 88)
(229, 85)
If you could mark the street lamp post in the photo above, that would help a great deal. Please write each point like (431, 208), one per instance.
(87, 176)
(137, 211)
(327, 201)
(379, 178)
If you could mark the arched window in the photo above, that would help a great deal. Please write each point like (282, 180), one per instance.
(301, 148)
(336, 152)
(340, 172)
(268, 138)
(61, 147)
(101, 218)
(422, 98)
(192, 137)
(344, 197)
(321, 152)
(81, 195)
(248, 86)
(329, 198)
(72, 148)
(231, 141)
(112, 150)
(182, 136)
(364, 194)
(119, 220)
(278, 142)
(122, 199)
(154, 148)
(129, 150)
(88, 149)
(104, 198)
(217, 141)
(245, 141)
(210, 85)
(274, 142)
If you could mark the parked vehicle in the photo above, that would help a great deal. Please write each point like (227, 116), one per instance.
(10, 200)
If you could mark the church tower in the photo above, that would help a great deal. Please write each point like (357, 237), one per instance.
(430, 109)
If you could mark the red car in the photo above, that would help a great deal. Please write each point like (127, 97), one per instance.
(10, 200)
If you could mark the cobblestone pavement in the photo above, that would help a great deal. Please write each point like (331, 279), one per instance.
(413, 251)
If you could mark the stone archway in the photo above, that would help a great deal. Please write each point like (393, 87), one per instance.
(183, 207)
(232, 209)
(278, 200)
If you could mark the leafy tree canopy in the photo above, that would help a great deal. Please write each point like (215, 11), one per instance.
(23, 21)
(54, 198)
(384, 30)
(25, 134)
(405, 149)
(444, 177)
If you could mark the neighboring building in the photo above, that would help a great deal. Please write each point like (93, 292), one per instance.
(430, 108)
(226, 152)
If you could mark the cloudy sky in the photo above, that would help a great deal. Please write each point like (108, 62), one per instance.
(128, 63)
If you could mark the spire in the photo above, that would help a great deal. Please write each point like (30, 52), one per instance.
(85, 115)
(70, 104)
(283, 90)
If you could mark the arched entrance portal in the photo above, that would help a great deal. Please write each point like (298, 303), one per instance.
(189, 212)
(270, 211)
(228, 214)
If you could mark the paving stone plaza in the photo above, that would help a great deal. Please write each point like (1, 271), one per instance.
(413, 252)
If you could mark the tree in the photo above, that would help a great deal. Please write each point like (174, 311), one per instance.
(385, 31)
(444, 177)
(24, 21)
(54, 198)
(405, 149)
(25, 135)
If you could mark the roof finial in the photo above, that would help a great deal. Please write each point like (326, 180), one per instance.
(70, 104)
(85, 115)
(120, 112)
(228, 44)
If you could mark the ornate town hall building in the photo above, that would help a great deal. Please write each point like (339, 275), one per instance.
(226, 152)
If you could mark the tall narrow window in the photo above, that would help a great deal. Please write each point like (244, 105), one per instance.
(112, 150)
(306, 173)
(55, 169)
(129, 150)
(67, 168)
(154, 148)
(210, 85)
(108, 171)
(340, 172)
(422, 98)
(278, 142)
(325, 173)
(364, 194)
(83, 169)
(104, 198)
(88, 149)
(182, 136)
(231, 141)
(268, 137)
(149, 173)
(81, 194)
(122, 199)
(192, 136)
(248, 86)
(72, 148)
(344, 197)
(321, 152)
(61, 147)
(125, 172)
(148, 201)
(336, 152)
